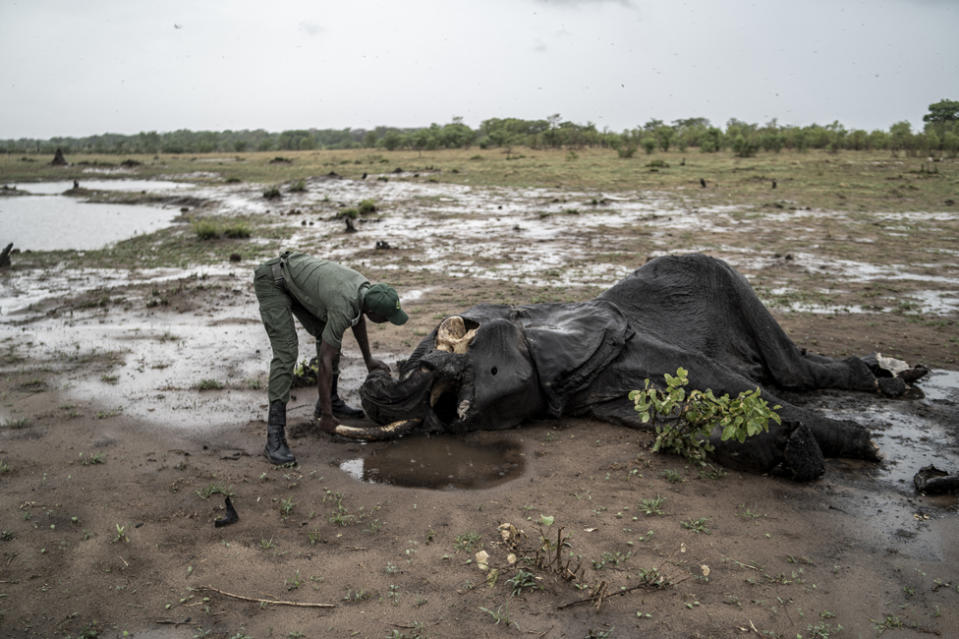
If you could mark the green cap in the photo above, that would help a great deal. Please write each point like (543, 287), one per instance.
(383, 300)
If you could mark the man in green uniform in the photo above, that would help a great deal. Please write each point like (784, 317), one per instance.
(327, 298)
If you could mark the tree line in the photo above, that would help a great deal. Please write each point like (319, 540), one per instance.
(940, 133)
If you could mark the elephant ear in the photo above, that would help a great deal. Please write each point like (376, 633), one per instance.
(570, 344)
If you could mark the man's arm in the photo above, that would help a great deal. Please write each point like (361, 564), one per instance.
(359, 332)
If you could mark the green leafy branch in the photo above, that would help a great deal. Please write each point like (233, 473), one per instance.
(684, 419)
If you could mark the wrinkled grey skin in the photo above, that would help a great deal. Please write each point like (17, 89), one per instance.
(582, 359)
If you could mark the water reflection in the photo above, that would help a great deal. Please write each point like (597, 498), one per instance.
(439, 462)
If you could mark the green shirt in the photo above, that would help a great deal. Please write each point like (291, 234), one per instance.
(330, 292)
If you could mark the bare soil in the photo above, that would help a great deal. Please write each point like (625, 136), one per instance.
(108, 502)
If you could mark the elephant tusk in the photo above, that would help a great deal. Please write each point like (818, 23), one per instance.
(392, 430)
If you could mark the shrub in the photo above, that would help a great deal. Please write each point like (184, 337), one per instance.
(685, 420)
(744, 147)
(626, 150)
(206, 230)
(297, 187)
(210, 230)
(207, 385)
(237, 230)
(272, 193)
(367, 207)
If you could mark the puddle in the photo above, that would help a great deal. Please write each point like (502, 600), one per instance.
(58, 187)
(47, 221)
(440, 462)
(887, 511)
(50, 223)
(910, 433)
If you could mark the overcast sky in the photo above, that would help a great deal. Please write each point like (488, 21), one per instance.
(77, 68)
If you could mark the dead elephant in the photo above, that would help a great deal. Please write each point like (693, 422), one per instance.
(496, 366)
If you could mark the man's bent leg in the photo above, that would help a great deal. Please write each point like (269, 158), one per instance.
(337, 405)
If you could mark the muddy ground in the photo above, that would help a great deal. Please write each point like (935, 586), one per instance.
(132, 401)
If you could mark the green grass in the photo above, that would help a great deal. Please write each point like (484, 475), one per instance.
(467, 542)
(700, 525)
(848, 180)
(16, 423)
(652, 506)
(208, 385)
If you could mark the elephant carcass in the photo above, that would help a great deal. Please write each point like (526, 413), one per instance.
(496, 366)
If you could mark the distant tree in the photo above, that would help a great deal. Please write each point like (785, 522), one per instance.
(664, 136)
(652, 125)
(392, 140)
(771, 141)
(690, 123)
(690, 132)
(712, 140)
(857, 140)
(950, 143)
(744, 146)
(878, 140)
(900, 136)
(942, 111)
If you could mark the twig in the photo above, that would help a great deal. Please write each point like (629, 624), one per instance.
(275, 602)
(172, 622)
(601, 594)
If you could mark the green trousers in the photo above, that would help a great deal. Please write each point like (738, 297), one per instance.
(277, 309)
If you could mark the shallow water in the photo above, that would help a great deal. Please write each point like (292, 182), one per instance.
(146, 186)
(910, 433)
(46, 221)
(50, 223)
(443, 462)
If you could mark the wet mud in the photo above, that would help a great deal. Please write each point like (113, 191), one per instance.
(162, 372)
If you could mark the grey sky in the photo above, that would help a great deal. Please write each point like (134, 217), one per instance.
(124, 66)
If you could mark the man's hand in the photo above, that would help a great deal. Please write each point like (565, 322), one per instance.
(326, 423)
(374, 364)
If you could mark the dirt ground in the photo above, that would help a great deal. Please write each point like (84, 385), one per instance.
(108, 499)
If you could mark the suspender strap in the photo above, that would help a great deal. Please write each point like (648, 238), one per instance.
(277, 267)
(278, 275)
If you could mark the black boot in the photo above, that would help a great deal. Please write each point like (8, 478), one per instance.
(337, 405)
(276, 449)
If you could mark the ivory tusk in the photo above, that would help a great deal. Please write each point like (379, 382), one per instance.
(378, 433)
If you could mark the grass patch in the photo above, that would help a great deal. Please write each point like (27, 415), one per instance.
(213, 488)
(698, 526)
(16, 423)
(208, 385)
(207, 230)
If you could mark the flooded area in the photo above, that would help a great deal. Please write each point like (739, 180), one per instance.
(532, 236)
(47, 220)
(154, 379)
